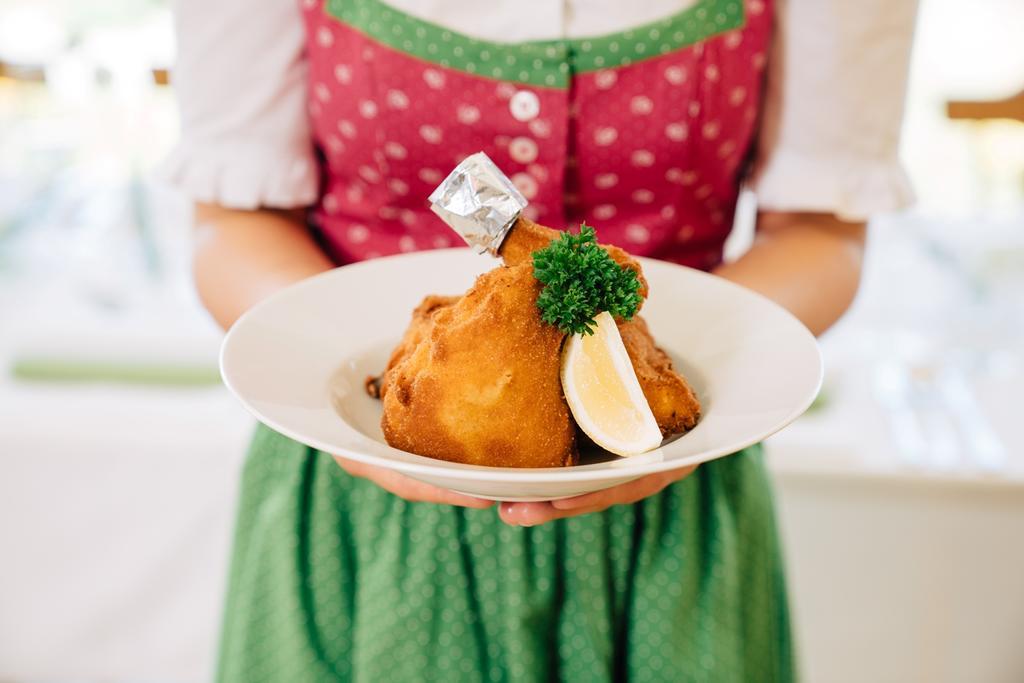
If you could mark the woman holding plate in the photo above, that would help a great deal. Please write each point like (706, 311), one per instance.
(313, 131)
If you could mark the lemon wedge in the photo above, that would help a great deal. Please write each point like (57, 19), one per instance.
(603, 392)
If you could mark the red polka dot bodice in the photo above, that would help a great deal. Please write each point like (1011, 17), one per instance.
(650, 152)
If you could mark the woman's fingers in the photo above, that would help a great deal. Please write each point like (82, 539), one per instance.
(532, 514)
(519, 514)
(408, 488)
(623, 493)
(630, 492)
(419, 492)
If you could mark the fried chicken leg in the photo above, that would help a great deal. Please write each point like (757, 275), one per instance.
(476, 380)
(419, 327)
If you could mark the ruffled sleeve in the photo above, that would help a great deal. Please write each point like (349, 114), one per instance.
(240, 78)
(833, 109)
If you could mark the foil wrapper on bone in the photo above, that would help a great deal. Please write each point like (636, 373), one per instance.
(479, 202)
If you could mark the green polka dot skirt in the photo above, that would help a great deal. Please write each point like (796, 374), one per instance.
(334, 579)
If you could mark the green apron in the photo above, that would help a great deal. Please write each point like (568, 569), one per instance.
(334, 579)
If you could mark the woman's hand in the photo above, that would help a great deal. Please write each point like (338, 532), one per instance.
(532, 514)
(408, 488)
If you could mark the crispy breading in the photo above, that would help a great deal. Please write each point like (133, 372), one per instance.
(419, 326)
(482, 384)
(673, 402)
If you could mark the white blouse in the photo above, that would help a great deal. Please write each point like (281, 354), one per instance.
(829, 139)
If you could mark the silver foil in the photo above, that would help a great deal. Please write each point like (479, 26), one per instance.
(479, 202)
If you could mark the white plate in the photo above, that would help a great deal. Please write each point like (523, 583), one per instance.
(298, 361)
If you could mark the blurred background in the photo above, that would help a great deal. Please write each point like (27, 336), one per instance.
(901, 493)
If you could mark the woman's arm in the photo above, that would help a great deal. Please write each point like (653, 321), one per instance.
(808, 263)
(241, 257)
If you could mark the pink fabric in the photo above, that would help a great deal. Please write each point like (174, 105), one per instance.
(650, 154)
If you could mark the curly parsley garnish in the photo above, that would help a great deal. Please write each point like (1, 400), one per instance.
(581, 280)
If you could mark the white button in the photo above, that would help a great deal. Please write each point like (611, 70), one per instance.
(523, 150)
(525, 183)
(524, 105)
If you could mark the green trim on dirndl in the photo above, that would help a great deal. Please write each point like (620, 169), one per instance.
(542, 63)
